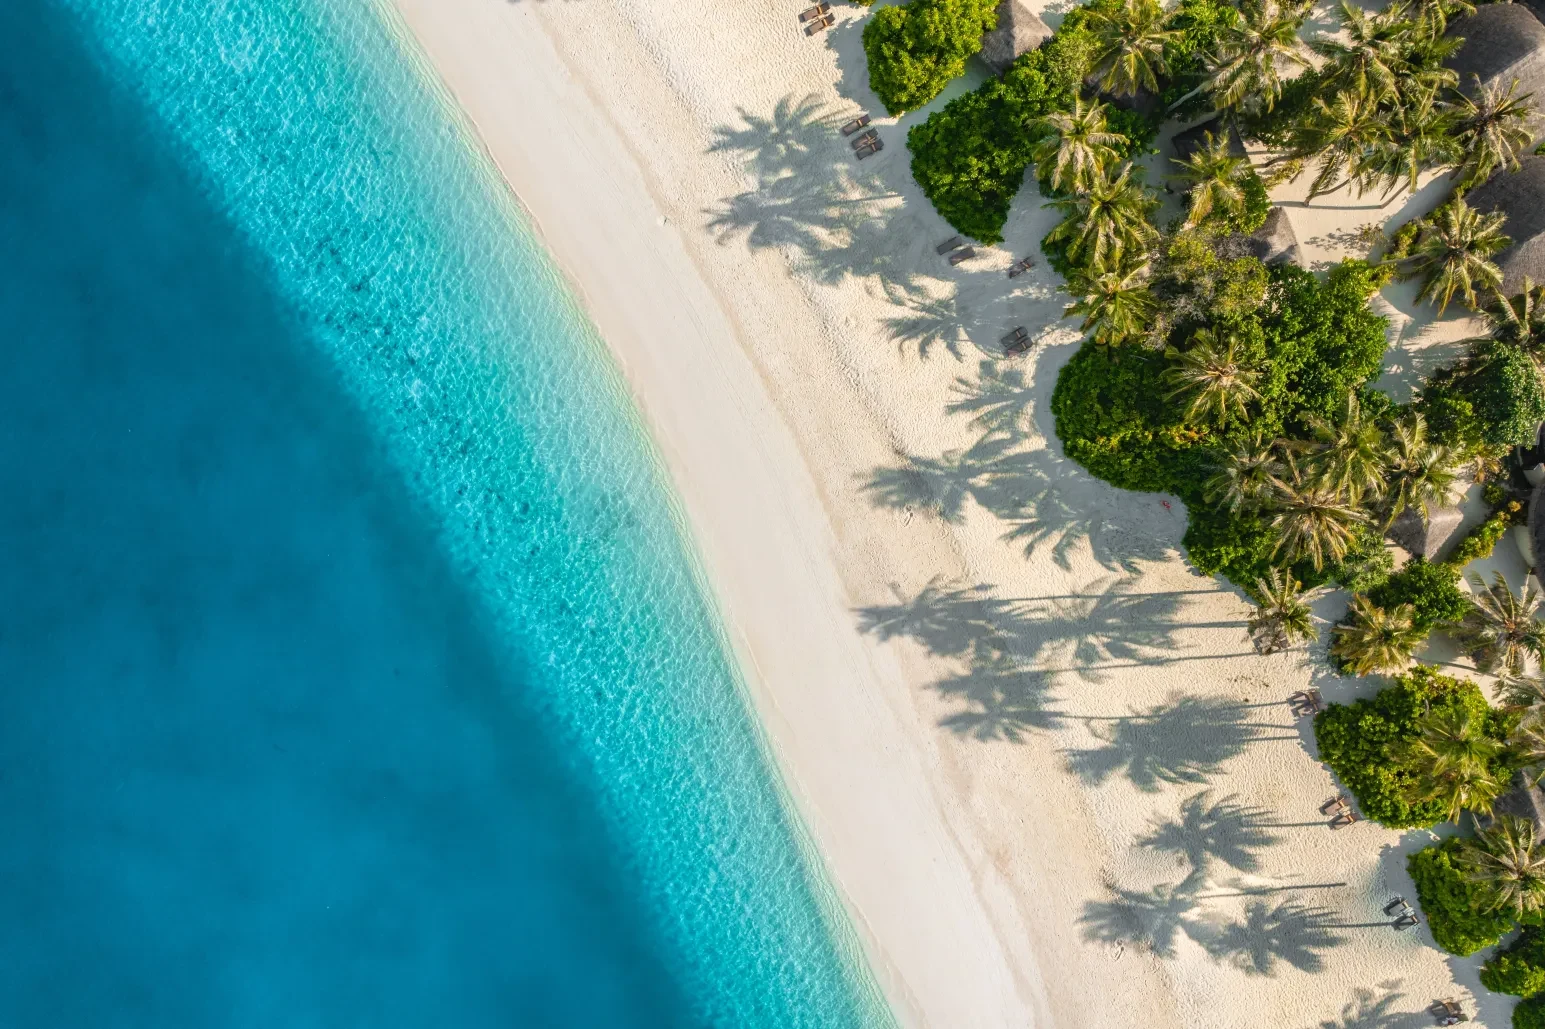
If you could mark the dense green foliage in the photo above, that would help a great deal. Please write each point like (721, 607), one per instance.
(1359, 742)
(1504, 391)
(915, 49)
(970, 158)
(1198, 22)
(1530, 1014)
(1458, 911)
(1520, 969)
(1312, 341)
(1432, 590)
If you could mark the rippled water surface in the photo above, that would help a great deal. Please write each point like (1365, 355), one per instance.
(354, 669)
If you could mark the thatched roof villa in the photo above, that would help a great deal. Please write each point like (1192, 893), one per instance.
(1521, 196)
(1019, 31)
(1425, 539)
(1275, 241)
(1503, 42)
(1193, 139)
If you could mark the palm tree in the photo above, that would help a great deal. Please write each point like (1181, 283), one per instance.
(1210, 372)
(1526, 746)
(1251, 53)
(1247, 478)
(1106, 222)
(1350, 456)
(1452, 761)
(1370, 57)
(1117, 305)
(1077, 145)
(1452, 255)
(1314, 521)
(1376, 640)
(1280, 617)
(1217, 178)
(1506, 857)
(1500, 628)
(1525, 689)
(1421, 475)
(1519, 320)
(1130, 42)
(1418, 136)
(1493, 128)
(1340, 135)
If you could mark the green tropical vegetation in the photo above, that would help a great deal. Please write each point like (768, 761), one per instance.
(915, 49)
(1246, 390)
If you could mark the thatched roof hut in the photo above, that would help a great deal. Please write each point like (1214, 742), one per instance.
(1195, 138)
(1521, 196)
(1502, 42)
(1537, 525)
(1275, 242)
(1524, 800)
(1425, 540)
(1019, 31)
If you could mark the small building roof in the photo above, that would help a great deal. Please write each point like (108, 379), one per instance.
(1019, 31)
(1524, 800)
(1195, 138)
(1502, 42)
(1427, 540)
(1537, 525)
(1521, 196)
(1275, 242)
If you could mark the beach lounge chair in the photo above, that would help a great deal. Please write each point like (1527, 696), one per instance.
(1021, 267)
(1307, 702)
(963, 254)
(1448, 1012)
(870, 148)
(820, 25)
(1404, 914)
(866, 138)
(856, 124)
(815, 12)
(948, 245)
(1017, 342)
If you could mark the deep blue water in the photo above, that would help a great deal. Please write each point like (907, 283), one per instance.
(353, 668)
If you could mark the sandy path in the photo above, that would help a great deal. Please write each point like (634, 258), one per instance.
(998, 695)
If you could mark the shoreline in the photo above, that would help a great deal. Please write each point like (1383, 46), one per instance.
(989, 682)
(460, 56)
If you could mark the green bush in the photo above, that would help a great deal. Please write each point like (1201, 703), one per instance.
(1520, 969)
(1257, 206)
(1504, 391)
(1431, 589)
(1458, 911)
(1451, 420)
(1113, 421)
(915, 49)
(1530, 1014)
(1480, 541)
(1322, 338)
(970, 158)
(1358, 742)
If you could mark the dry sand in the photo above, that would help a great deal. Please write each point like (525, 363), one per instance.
(1049, 777)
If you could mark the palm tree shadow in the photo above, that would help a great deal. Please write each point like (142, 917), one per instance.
(999, 399)
(1184, 741)
(1366, 1012)
(1005, 699)
(1208, 831)
(1154, 919)
(1270, 935)
(797, 131)
(931, 320)
(1027, 488)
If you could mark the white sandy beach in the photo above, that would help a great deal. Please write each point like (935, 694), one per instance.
(993, 686)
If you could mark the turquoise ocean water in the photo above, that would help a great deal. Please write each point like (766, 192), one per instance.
(353, 669)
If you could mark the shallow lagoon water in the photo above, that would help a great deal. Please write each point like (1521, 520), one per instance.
(355, 669)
